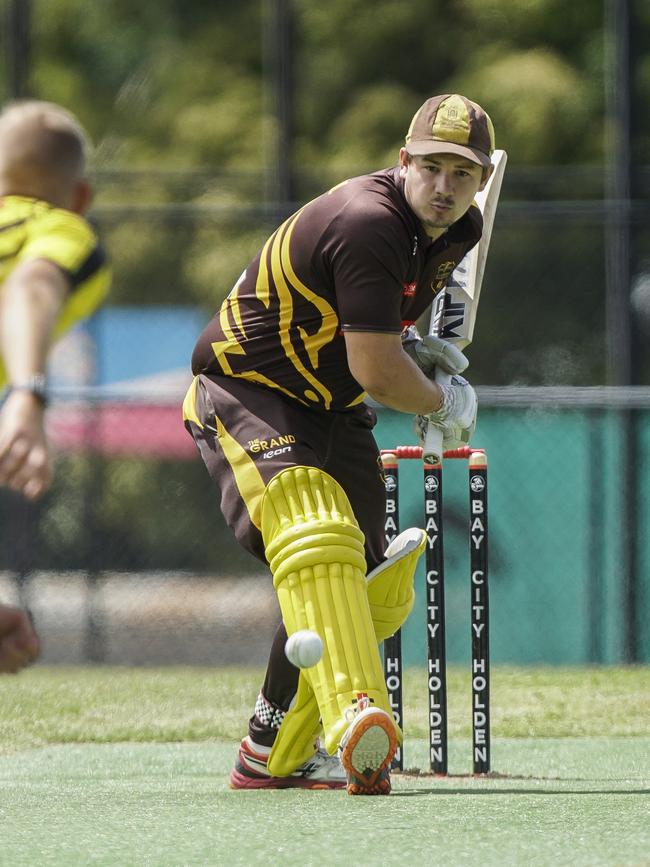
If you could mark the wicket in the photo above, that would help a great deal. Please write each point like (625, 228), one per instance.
(435, 589)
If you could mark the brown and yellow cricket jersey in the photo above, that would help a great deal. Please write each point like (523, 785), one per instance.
(33, 229)
(354, 259)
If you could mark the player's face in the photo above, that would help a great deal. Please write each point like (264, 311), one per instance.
(440, 188)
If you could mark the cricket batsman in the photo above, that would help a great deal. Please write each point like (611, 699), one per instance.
(315, 324)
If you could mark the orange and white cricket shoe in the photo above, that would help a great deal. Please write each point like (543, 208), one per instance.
(367, 749)
(321, 771)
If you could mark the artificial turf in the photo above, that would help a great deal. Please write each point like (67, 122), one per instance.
(129, 766)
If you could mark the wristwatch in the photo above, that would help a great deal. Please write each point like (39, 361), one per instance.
(36, 384)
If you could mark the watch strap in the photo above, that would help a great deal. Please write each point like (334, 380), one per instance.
(36, 385)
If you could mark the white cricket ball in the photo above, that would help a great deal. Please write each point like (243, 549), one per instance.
(304, 648)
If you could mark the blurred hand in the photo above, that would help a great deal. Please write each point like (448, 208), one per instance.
(19, 644)
(25, 464)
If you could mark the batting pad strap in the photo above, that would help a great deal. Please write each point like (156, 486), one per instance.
(390, 585)
(315, 549)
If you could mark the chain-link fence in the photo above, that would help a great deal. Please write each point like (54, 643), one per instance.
(128, 560)
(568, 518)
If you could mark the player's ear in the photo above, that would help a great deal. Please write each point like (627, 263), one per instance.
(82, 196)
(404, 160)
(487, 172)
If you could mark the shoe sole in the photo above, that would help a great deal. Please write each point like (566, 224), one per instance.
(367, 752)
(238, 780)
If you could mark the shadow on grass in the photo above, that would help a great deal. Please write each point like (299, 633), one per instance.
(413, 792)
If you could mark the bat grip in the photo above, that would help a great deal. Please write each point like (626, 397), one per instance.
(432, 450)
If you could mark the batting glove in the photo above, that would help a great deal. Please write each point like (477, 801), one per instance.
(459, 405)
(433, 352)
(453, 436)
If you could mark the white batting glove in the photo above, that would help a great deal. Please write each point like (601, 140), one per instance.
(433, 352)
(453, 436)
(456, 416)
(459, 404)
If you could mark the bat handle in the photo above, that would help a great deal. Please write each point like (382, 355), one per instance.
(432, 450)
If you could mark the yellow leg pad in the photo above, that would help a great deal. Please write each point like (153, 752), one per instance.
(296, 737)
(391, 596)
(315, 549)
(390, 585)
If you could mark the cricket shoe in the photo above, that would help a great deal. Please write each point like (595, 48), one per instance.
(321, 771)
(366, 751)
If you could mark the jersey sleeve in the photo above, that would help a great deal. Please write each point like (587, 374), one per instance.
(68, 240)
(63, 238)
(369, 260)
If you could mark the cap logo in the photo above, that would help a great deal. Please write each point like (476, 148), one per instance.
(452, 121)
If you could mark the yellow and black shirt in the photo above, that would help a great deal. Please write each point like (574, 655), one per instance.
(356, 258)
(33, 229)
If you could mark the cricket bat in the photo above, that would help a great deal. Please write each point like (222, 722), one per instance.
(453, 312)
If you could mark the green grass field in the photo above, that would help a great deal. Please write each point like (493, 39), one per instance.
(129, 767)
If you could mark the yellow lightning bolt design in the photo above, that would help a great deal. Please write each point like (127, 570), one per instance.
(286, 313)
(262, 285)
(313, 343)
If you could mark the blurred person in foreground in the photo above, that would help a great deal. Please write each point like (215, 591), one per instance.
(53, 273)
(321, 317)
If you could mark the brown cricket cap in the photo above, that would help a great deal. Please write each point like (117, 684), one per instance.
(452, 124)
